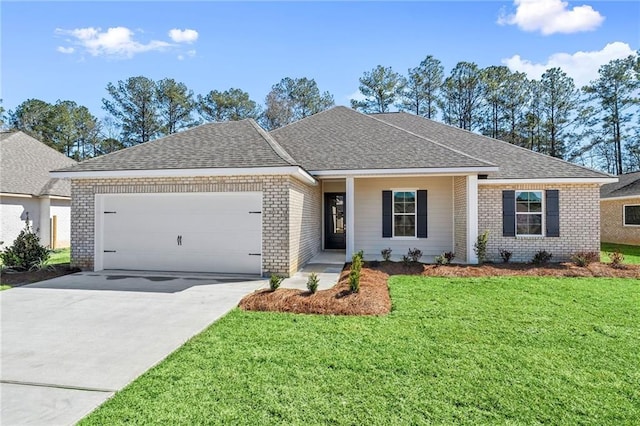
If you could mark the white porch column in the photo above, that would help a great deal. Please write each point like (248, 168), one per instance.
(472, 217)
(349, 211)
(45, 224)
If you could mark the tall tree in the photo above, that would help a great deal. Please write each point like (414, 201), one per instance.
(462, 96)
(533, 118)
(420, 95)
(133, 104)
(175, 105)
(615, 95)
(230, 105)
(293, 99)
(517, 92)
(33, 117)
(559, 99)
(381, 87)
(494, 83)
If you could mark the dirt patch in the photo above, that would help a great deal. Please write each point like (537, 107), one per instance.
(374, 299)
(17, 279)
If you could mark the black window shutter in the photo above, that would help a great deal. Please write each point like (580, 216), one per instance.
(387, 214)
(422, 214)
(508, 213)
(553, 212)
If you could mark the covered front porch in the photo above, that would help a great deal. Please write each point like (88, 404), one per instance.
(434, 213)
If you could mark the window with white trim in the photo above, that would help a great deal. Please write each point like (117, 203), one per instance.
(529, 213)
(631, 215)
(404, 213)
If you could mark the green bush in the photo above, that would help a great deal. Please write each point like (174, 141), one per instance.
(541, 257)
(584, 258)
(480, 247)
(26, 252)
(414, 254)
(312, 282)
(445, 258)
(505, 255)
(386, 254)
(616, 258)
(275, 281)
(354, 274)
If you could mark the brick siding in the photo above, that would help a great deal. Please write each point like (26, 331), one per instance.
(579, 223)
(460, 217)
(612, 229)
(276, 240)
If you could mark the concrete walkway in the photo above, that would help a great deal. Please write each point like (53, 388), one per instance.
(69, 343)
(326, 264)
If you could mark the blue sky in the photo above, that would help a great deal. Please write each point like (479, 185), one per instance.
(71, 50)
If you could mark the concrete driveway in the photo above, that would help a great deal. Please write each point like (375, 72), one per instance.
(69, 343)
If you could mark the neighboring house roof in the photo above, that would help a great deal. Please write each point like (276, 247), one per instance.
(514, 162)
(628, 185)
(234, 144)
(343, 139)
(25, 165)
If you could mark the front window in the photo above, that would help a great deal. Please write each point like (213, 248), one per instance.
(632, 215)
(529, 213)
(404, 213)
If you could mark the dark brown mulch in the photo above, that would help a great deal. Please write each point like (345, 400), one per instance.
(17, 279)
(374, 299)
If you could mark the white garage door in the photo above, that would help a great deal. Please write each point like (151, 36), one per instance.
(192, 232)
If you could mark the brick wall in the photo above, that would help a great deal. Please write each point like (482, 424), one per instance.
(305, 208)
(579, 222)
(460, 217)
(611, 225)
(275, 212)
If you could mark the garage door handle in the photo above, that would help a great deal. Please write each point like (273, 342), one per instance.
(179, 240)
(255, 254)
(109, 251)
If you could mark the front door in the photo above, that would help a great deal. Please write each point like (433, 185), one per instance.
(334, 221)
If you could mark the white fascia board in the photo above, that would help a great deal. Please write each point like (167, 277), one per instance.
(626, 197)
(442, 171)
(603, 180)
(295, 171)
(10, 194)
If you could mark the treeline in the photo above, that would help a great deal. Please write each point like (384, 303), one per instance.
(597, 125)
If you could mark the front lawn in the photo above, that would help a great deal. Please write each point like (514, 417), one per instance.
(517, 350)
(631, 253)
(60, 256)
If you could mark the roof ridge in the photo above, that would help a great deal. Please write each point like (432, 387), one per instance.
(428, 139)
(309, 116)
(275, 146)
(548, 157)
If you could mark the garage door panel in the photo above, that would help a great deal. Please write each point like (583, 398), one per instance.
(219, 232)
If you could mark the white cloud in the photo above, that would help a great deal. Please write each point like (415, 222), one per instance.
(552, 16)
(357, 96)
(116, 41)
(65, 50)
(581, 66)
(183, 36)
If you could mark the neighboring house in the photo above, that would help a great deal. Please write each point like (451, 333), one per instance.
(620, 210)
(230, 197)
(29, 193)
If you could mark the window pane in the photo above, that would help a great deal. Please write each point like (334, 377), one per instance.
(398, 207)
(535, 224)
(522, 206)
(404, 226)
(632, 215)
(522, 196)
(410, 208)
(535, 206)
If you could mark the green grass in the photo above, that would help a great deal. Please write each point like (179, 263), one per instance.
(453, 351)
(4, 287)
(631, 253)
(60, 256)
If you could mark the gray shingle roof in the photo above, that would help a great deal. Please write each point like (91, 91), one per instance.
(628, 185)
(514, 162)
(25, 164)
(215, 145)
(344, 139)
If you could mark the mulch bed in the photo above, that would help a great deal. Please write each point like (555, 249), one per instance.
(374, 299)
(19, 278)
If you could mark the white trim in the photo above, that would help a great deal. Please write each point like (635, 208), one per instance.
(472, 218)
(624, 215)
(296, 171)
(626, 197)
(10, 194)
(445, 171)
(545, 180)
(349, 212)
(98, 232)
(415, 214)
(542, 213)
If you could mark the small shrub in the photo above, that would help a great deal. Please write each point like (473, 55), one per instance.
(541, 257)
(584, 258)
(480, 247)
(406, 260)
(616, 259)
(386, 254)
(312, 282)
(414, 255)
(445, 258)
(505, 255)
(354, 274)
(26, 252)
(275, 281)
